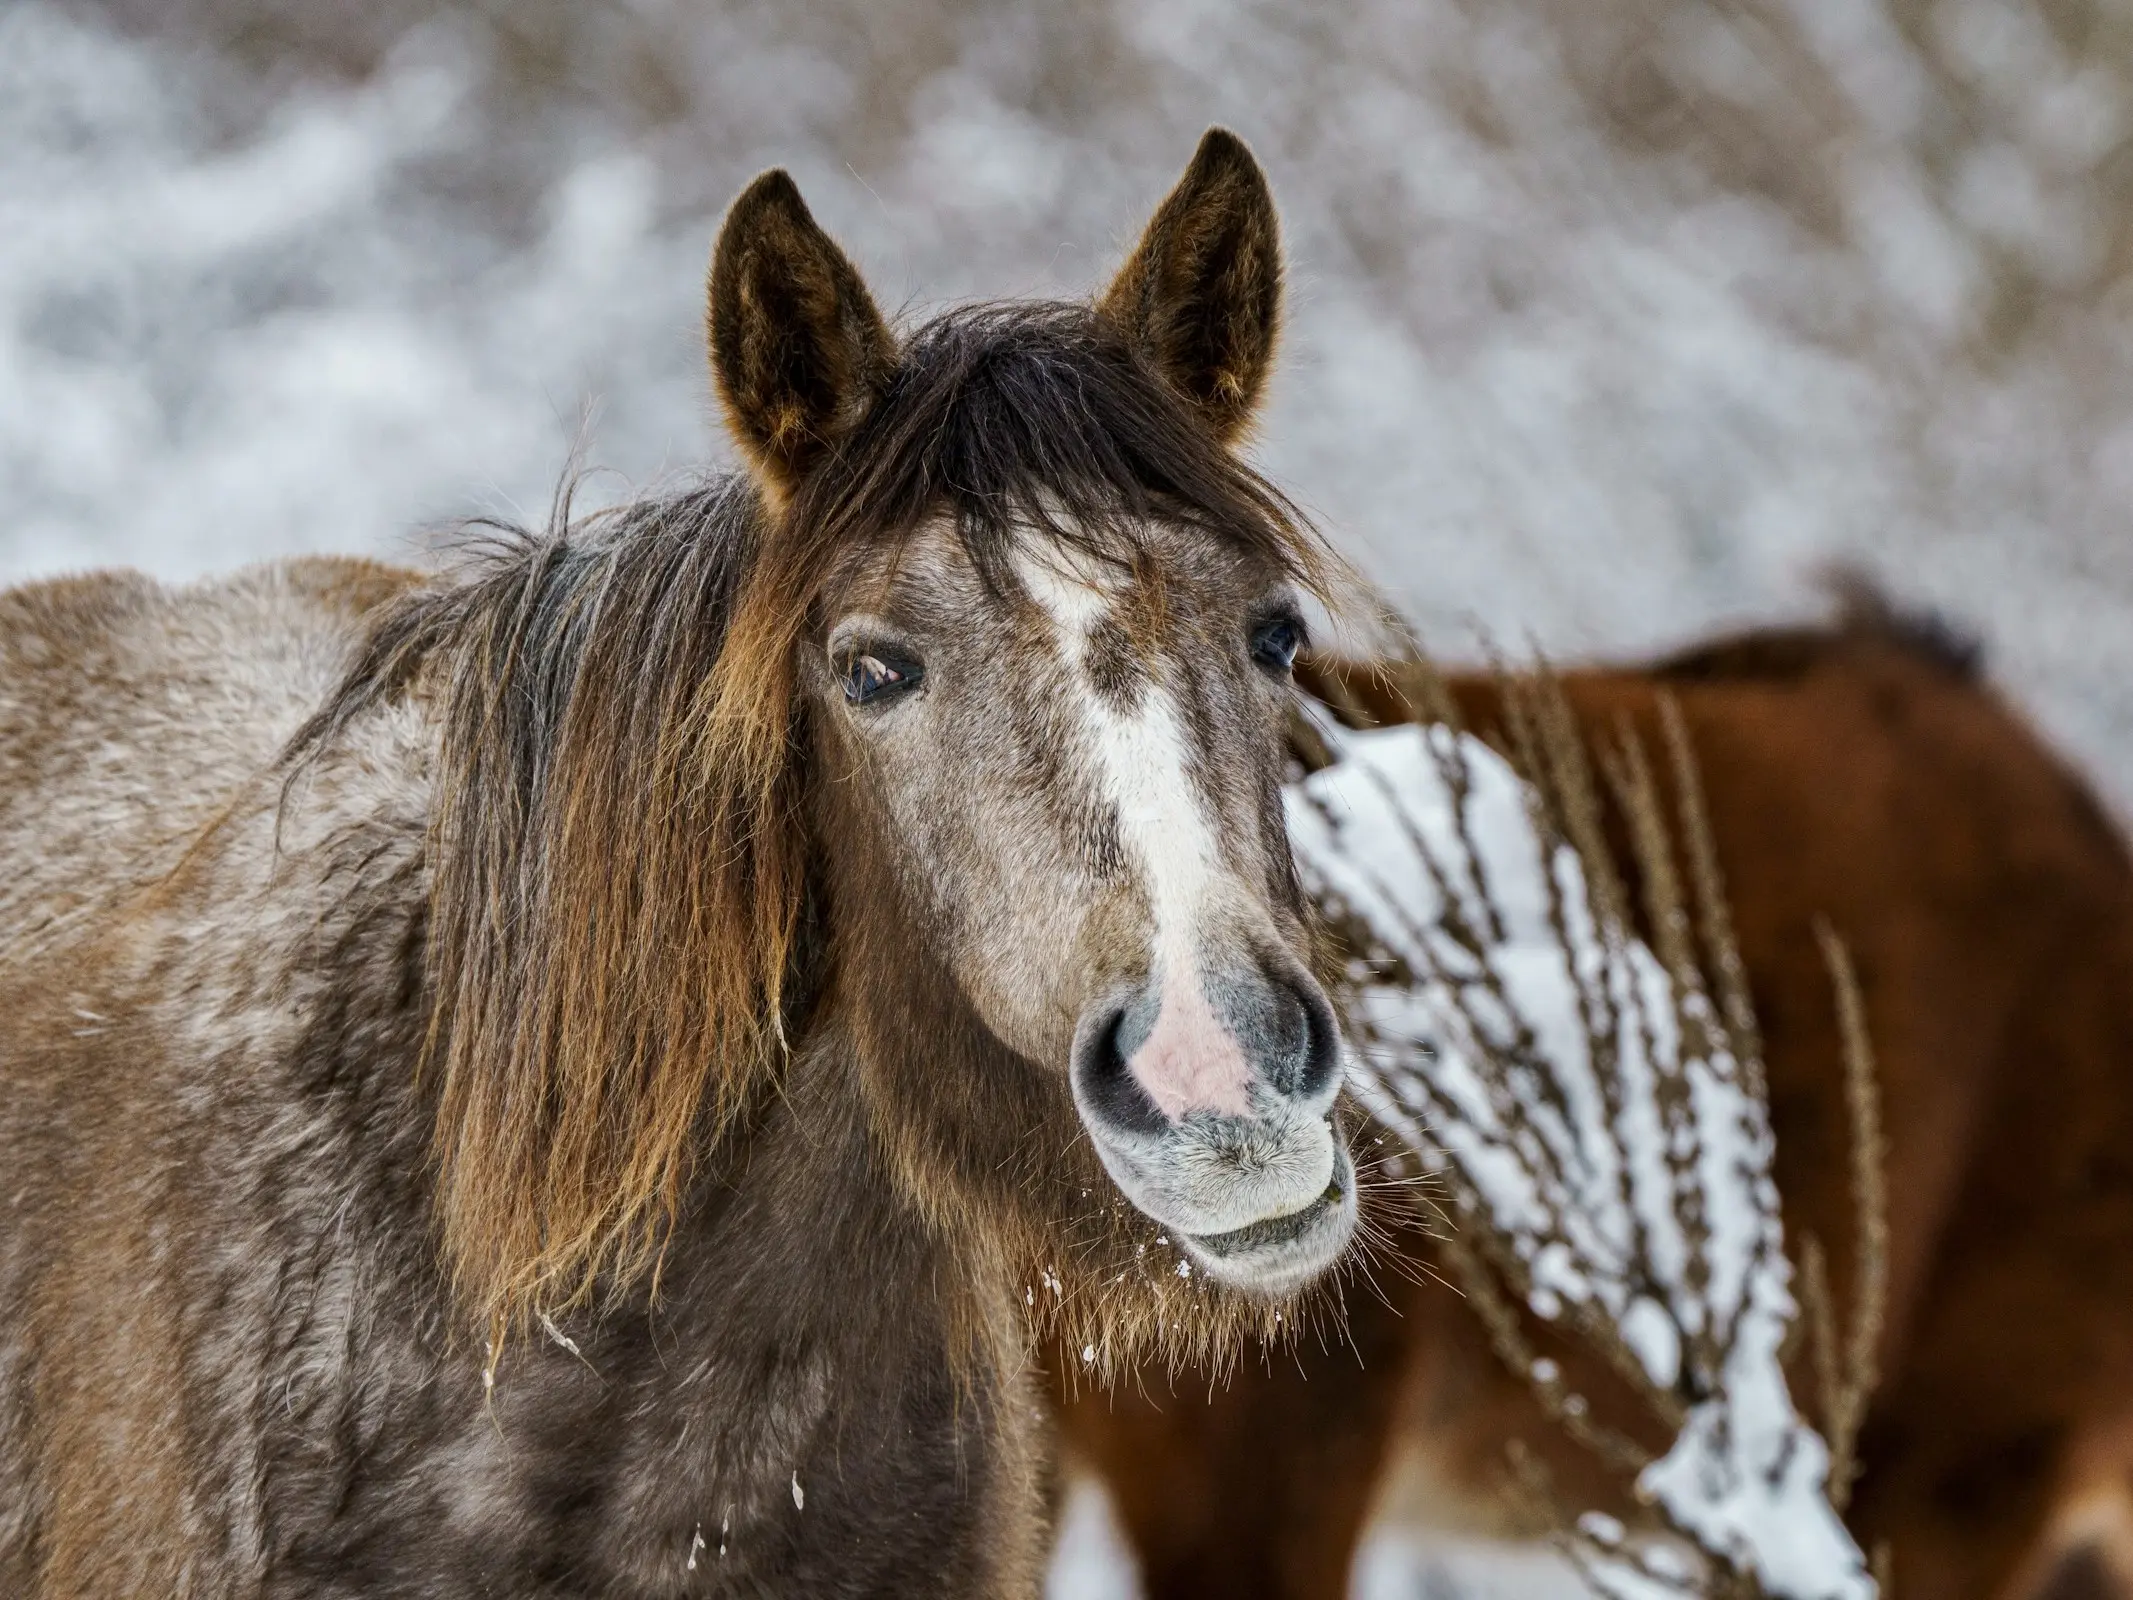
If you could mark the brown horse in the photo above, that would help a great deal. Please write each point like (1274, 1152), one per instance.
(571, 1078)
(1864, 775)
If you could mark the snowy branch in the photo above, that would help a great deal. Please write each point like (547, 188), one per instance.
(1600, 1116)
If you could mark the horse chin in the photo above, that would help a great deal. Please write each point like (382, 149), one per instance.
(1277, 1256)
(1262, 1208)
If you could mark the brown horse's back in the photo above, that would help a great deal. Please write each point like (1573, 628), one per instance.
(1865, 777)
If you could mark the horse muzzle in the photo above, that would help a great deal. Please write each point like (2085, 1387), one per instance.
(1216, 1120)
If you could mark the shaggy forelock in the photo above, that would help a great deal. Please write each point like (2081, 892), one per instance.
(1014, 417)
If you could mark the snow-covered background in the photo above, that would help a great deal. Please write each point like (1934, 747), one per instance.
(1612, 320)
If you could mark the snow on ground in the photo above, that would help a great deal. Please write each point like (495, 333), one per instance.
(1609, 324)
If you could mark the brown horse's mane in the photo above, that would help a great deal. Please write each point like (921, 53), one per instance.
(617, 952)
(1864, 616)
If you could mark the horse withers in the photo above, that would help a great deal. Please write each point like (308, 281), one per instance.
(574, 1077)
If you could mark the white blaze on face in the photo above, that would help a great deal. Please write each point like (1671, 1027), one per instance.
(1189, 1061)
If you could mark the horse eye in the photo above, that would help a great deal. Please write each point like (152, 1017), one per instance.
(869, 678)
(1276, 642)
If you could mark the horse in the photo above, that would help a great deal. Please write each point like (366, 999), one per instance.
(579, 1073)
(1861, 773)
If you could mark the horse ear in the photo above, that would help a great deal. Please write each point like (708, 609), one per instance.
(798, 350)
(1201, 294)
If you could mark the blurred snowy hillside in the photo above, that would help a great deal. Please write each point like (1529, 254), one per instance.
(1612, 320)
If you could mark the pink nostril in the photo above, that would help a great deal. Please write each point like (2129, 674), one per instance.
(1189, 1061)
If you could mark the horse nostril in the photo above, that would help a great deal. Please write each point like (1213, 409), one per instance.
(1322, 1046)
(1307, 1042)
(1105, 1086)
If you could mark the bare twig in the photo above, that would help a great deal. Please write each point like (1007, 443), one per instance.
(1870, 1203)
(1567, 1409)
(1819, 1309)
(1714, 914)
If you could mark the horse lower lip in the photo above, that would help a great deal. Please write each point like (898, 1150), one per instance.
(1271, 1232)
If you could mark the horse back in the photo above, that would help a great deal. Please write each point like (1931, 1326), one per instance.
(153, 953)
(1866, 778)
(130, 712)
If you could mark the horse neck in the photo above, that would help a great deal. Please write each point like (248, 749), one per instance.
(804, 1201)
(956, 1116)
(987, 1145)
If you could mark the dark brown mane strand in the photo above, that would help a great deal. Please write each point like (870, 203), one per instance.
(617, 877)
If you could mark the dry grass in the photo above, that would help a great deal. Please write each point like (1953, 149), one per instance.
(1681, 892)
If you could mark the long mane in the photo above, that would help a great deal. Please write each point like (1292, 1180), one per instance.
(619, 851)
